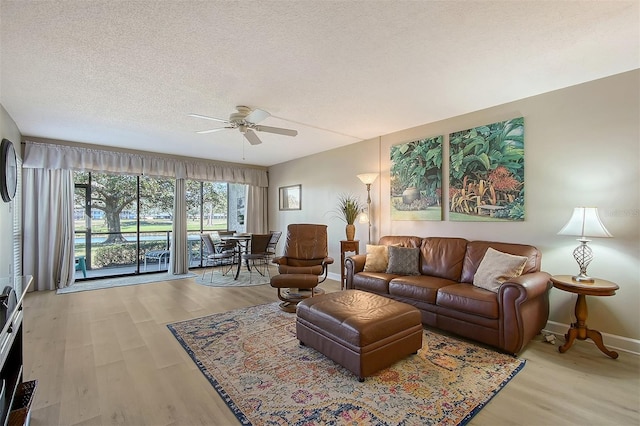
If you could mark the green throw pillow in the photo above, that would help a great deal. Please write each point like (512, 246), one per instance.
(404, 261)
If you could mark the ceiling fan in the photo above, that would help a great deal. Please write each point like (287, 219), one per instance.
(245, 120)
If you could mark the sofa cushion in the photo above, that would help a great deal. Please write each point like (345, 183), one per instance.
(375, 282)
(377, 258)
(475, 254)
(404, 261)
(497, 267)
(418, 287)
(470, 299)
(442, 257)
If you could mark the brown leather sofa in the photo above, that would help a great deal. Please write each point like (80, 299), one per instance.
(447, 299)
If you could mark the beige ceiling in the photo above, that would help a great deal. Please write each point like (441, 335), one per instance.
(127, 73)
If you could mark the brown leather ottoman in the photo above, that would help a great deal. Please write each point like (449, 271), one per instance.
(361, 331)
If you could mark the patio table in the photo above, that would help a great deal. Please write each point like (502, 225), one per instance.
(242, 241)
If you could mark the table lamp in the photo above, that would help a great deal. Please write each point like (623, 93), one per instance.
(585, 222)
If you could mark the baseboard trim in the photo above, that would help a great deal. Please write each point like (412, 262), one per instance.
(611, 341)
(333, 276)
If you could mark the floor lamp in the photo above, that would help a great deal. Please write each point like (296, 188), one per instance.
(368, 179)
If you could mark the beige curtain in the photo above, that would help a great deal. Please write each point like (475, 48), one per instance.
(179, 250)
(257, 217)
(54, 156)
(48, 228)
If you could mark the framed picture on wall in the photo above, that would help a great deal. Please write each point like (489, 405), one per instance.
(486, 173)
(416, 180)
(290, 197)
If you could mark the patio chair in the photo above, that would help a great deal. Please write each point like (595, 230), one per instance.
(257, 258)
(221, 254)
(273, 243)
(161, 256)
(81, 265)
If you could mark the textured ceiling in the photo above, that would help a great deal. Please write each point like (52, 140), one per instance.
(126, 74)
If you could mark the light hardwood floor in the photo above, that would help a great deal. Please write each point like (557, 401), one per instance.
(106, 357)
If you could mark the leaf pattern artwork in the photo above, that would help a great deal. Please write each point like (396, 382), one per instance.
(486, 173)
(416, 180)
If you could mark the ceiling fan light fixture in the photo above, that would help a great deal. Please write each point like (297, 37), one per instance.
(245, 119)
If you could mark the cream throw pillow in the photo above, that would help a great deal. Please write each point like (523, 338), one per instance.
(497, 267)
(377, 258)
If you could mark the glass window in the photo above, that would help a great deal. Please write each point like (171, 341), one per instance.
(237, 207)
(123, 223)
(155, 222)
(207, 212)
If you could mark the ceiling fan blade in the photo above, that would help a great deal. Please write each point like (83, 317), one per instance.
(208, 118)
(257, 115)
(276, 130)
(252, 137)
(213, 130)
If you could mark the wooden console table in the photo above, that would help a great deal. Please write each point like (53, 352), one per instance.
(579, 328)
(347, 246)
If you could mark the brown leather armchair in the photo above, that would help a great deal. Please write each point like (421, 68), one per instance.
(303, 265)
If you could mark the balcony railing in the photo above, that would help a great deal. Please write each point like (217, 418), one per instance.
(131, 253)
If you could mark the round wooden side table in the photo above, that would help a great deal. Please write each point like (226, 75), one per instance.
(578, 329)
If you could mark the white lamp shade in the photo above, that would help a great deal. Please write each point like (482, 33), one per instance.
(585, 222)
(364, 218)
(368, 178)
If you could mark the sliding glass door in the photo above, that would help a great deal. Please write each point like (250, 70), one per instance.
(101, 246)
(154, 221)
(123, 223)
(207, 212)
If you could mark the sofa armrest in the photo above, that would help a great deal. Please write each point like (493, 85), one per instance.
(533, 284)
(353, 265)
(524, 309)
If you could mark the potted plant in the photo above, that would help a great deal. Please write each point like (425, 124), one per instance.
(348, 209)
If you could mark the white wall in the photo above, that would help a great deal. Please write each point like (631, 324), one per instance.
(581, 149)
(8, 130)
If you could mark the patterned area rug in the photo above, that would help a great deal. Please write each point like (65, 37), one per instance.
(252, 358)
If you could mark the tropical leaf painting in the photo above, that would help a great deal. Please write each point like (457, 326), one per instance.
(416, 180)
(486, 172)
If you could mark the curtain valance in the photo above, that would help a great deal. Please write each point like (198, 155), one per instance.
(51, 156)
